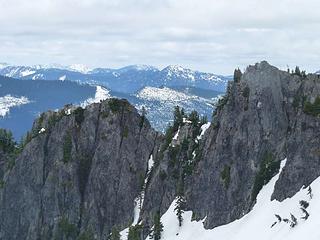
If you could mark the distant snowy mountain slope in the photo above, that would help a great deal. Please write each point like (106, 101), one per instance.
(45, 95)
(22, 101)
(101, 94)
(160, 102)
(8, 101)
(127, 79)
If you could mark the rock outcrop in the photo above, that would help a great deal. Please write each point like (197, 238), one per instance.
(79, 174)
(263, 119)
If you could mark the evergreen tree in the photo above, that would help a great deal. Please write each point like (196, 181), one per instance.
(25, 140)
(178, 117)
(306, 214)
(194, 118)
(179, 208)
(273, 224)
(158, 227)
(115, 235)
(143, 116)
(135, 232)
(278, 217)
(180, 204)
(203, 120)
(7, 143)
(304, 204)
(143, 111)
(237, 75)
(294, 221)
(297, 71)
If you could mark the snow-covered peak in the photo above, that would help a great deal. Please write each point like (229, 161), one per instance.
(176, 68)
(79, 68)
(175, 71)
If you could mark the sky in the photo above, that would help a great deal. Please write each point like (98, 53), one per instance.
(207, 35)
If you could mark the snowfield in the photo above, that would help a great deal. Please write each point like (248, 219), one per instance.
(163, 94)
(257, 223)
(79, 68)
(9, 101)
(27, 73)
(63, 78)
(101, 94)
(159, 103)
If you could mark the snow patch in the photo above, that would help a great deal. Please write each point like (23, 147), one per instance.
(176, 135)
(68, 112)
(9, 101)
(101, 94)
(79, 68)
(204, 128)
(163, 94)
(185, 120)
(63, 78)
(259, 104)
(42, 130)
(138, 202)
(27, 72)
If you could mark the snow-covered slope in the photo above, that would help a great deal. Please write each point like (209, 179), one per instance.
(79, 68)
(101, 94)
(178, 72)
(160, 102)
(9, 101)
(257, 223)
(22, 101)
(164, 94)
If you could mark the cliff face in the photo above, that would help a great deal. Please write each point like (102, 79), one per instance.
(262, 121)
(82, 170)
(80, 175)
(264, 118)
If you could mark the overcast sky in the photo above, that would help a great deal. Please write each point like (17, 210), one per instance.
(208, 35)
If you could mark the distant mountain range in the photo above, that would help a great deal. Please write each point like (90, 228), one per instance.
(127, 79)
(21, 100)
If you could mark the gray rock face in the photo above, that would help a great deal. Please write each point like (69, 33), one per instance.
(81, 175)
(262, 116)
(260, 121)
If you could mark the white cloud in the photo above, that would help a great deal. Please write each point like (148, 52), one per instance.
(209, 35)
